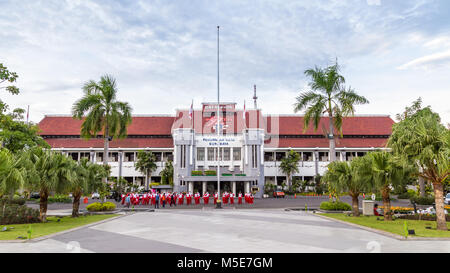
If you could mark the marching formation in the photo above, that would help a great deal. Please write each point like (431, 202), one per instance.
(173, 199)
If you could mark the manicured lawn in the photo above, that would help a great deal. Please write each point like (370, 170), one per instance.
(52, 226)
(396, 226)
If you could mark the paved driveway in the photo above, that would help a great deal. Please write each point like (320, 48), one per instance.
(227, 230)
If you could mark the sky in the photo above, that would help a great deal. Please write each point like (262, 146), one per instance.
(163, 53)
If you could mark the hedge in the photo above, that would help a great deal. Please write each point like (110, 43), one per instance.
(107, 206)
(341, 206)
(426, 200)
(17, 214)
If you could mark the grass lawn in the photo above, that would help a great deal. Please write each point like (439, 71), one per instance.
(396, 226)
(52, 226)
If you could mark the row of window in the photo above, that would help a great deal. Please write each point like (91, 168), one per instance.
(308, 156)
(213, 154)
(114, 156)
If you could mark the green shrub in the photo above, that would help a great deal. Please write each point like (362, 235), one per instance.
(196, 173)
(15, 200)
(211, 172)
(59, 199)
(107, 206)
(341, 206)
(17, 214)
(426, 200)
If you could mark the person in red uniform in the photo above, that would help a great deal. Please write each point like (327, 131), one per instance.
(123, 198)
(240, 198)
(231, 198)
(206, 198)
(216, 196)
(197, 198)
(180, 198)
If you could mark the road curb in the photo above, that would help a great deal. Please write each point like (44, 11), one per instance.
(45, 237)
(385, 233)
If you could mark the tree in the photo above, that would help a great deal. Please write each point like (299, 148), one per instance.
(15, 134)
(289, 165)
(12, 176)
(327, 95)
(102, 112)
(48, 172)
(408, 113)
(167, 173)
(88, 179)
(353, 177)
(423, 140)
(9, 77)
(146, 164)
(387, 173)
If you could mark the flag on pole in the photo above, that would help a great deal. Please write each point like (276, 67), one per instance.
(191, 110)
(28, 113)
(243, 113)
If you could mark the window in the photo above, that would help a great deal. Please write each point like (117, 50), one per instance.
(211, 154)
(350, 155)
(129, 157)
(226, 154)
(85, 155)
(236, 154)
(254, 156)
(168, 156)
(99, 157)
(74, 156)
(183, 156)
(280, 155)
(200, 154)
(323, 156)
(360, 154)
(158, 156)
(307, 156)
(268, 156)
(113, 157)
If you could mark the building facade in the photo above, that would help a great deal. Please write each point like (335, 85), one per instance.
(249, 149)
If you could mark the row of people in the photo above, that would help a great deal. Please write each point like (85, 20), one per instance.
(174, 198)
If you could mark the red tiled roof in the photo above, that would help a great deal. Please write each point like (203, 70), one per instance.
(150, 125)
(120, 143)
(358, 125)
(324, 143)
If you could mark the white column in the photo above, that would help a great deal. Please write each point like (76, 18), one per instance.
(204, 187)
(234, 187)
(206, 158)
(246, 154)
(191, 186)
(232, 159)
(247, 186)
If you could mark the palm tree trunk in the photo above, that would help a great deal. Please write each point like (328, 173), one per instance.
(421, 186)
(43, 201)
(106, 150)
(332, 140)
(355, 204)
(387, 205)
(148, 180)
(76, 204)
(439, 200)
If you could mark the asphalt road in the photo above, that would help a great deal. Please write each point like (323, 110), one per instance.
(228, 230)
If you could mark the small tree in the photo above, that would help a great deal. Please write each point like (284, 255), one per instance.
(352, 177)
(167, 173)
(289, 165)
(12, 176)
(387, 173)
(146, 164)
(10, 77)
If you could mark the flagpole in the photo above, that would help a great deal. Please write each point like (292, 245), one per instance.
(218, 118)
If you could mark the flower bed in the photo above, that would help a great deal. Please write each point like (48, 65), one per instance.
(400, 210)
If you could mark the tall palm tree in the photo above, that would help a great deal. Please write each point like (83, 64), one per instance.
(328, 95)
(289, 165)
(12, 175)
(167, 173)
(102, 112)
(353, 177)
(146, 164)
(48, 172)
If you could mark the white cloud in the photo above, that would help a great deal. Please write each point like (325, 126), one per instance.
(429, 61)
(374, 2)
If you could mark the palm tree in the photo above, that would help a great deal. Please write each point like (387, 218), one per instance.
(352, 177)
(327, 95)
(387, 173)
(289, 165)
(167, 173)
(11, 173)
(102, 112)
(146, 164)
(47, 172)
(89, 178)
(423, 140)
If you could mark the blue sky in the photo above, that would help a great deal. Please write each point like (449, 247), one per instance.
(163, 53)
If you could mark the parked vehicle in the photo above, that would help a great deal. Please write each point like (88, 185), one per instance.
(35, 195)
(447, 199)
(95, 195)
(278, 193)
